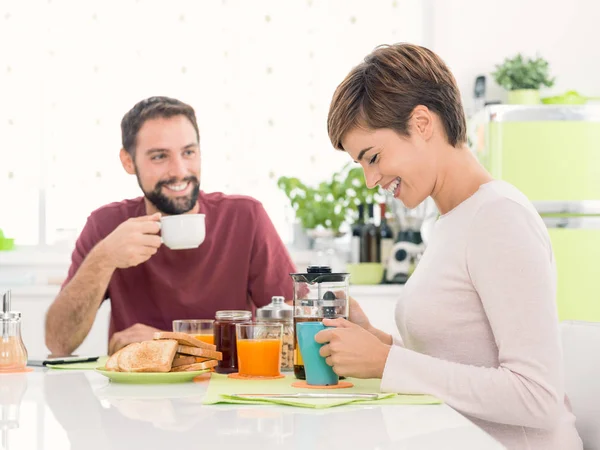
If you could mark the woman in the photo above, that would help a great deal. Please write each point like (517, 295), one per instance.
(477, 318)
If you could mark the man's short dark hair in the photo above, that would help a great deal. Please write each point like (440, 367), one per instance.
(152, 108)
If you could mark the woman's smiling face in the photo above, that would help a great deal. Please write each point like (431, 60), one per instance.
(403, 165)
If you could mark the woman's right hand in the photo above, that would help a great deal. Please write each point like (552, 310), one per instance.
(357, 315)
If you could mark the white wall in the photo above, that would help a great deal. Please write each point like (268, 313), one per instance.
(260, 75)
(473, 35)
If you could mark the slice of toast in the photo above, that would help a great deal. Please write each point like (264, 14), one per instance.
(199, 359)
(184, 339)
(148, 356)
(112, 363)
(195, 366)
(183, 360)
(195, 351)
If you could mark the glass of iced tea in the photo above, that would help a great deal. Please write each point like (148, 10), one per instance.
(201, 329)
(259, 349)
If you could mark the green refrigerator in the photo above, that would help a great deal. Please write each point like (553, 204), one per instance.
(552, 154)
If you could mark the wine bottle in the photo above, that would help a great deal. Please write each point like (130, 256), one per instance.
(386, 235)
(370, 250)
(356, 235)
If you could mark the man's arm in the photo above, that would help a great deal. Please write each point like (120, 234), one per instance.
(71, 316)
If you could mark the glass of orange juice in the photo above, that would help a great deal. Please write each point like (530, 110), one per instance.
(201, 329)
(259, 349)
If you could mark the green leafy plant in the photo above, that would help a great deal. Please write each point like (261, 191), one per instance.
(519, 72)
(331, 203)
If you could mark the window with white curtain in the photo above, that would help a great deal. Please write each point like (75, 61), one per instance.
(260, 75)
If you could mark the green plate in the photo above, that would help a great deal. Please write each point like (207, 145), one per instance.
(150, 377)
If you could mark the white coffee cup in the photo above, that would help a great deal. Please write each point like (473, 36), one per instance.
(183, 231)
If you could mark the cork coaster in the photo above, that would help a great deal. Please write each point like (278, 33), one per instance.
(305, 385)
(237, 376)
(24, 370)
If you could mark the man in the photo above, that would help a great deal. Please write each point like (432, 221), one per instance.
(241, 264)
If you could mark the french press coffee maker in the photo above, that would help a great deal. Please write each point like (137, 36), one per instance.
(13, 355)
(319, 294)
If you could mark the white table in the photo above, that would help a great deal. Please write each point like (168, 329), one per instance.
(82, 410)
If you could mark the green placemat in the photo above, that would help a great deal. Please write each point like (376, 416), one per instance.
(221, 388)
(80, 366)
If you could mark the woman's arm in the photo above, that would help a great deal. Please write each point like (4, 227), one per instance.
(511, 266)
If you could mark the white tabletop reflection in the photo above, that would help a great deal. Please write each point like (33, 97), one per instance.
(62, 409)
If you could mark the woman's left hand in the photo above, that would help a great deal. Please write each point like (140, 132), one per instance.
(351, 350)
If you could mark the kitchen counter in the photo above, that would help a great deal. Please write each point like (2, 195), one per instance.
(369, 291)
(34, 276)
(56, 409)
(377, 301)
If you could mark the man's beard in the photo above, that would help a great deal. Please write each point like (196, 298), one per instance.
(178, 205)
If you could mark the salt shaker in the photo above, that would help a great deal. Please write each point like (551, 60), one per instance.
(13, 355)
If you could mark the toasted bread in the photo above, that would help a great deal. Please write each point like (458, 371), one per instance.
(195, 351)
(198, 359)
(195, 366)
(183, 360)
(112, 363)
(148, 356)
(184, 339)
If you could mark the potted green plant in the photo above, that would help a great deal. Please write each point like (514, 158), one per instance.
(331, 203)
(523, 78)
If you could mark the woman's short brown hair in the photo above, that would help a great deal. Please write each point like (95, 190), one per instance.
(384, 89)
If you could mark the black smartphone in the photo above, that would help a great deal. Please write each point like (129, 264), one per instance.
(61, 360)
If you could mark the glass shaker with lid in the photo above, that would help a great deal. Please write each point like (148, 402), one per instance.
(13, 355)
(279, 312)
(318, 294)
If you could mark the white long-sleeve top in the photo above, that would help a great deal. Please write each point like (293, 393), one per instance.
(479, 323)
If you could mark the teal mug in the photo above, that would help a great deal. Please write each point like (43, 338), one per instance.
(318, 372)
